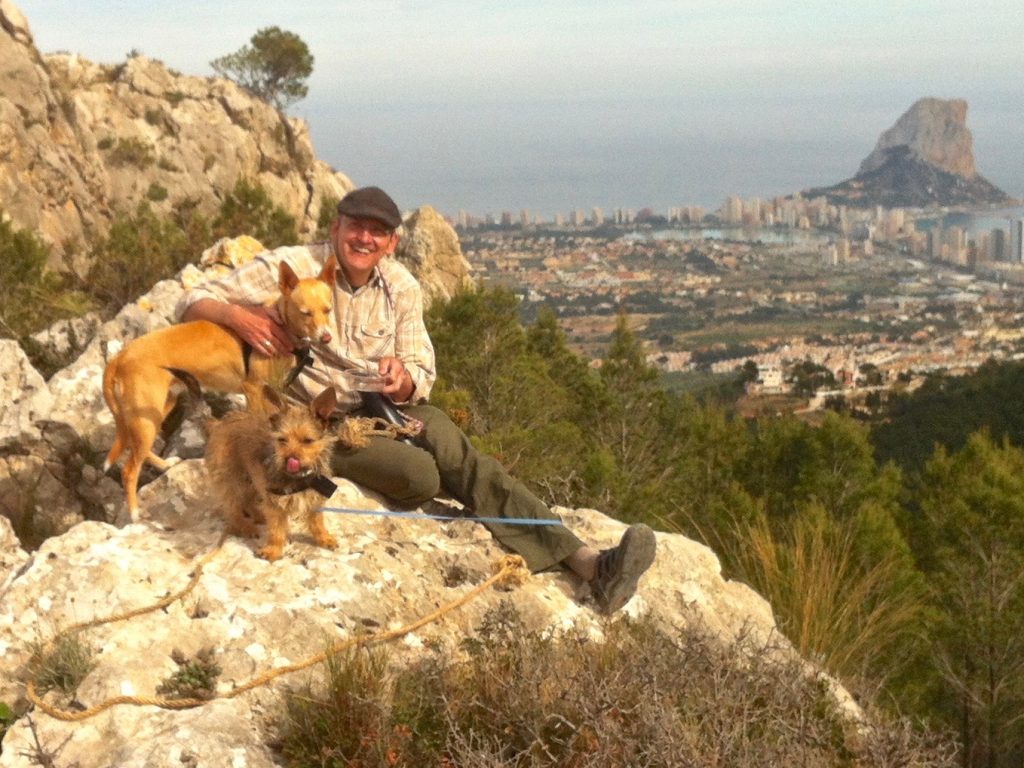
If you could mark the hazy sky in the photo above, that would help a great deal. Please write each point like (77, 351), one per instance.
(552, 105)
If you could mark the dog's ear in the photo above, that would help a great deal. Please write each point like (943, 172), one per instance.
(286, 278)
(323, 405)
(329, 272)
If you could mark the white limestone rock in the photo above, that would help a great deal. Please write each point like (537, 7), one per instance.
(257, 615)
(430, 249)
(26, 398)
(62, 120)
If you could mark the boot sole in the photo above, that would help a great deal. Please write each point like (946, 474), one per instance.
(639, 548)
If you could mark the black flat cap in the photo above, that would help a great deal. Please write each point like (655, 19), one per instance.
(371, 203)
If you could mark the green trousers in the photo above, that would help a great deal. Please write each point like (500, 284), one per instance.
(444, 458)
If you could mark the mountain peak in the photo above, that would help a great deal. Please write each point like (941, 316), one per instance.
(935, 131)
(926, 158)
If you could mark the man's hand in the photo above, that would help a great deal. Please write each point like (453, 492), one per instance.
(262, 329)
(399, 385)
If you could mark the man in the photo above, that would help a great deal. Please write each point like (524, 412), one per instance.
(378, 314)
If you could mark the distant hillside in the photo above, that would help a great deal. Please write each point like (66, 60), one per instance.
(946, 410)
(925, 159)
(82, 142)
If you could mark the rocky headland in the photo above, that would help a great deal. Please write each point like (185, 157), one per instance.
(925, 159)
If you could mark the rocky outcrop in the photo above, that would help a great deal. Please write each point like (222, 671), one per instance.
(430, 247)
(926, 158)
(935, 132)
(81, 142)
(256, 615)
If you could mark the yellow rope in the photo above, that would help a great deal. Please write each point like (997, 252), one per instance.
(355, 431)
(511, 568)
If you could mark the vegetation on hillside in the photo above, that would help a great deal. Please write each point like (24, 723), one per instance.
(908, 583)
(140, 248)
(946, 410)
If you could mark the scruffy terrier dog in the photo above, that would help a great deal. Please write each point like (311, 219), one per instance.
(265, 465)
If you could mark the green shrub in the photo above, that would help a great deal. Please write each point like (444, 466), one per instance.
(7, 718)
(166, 165)
(328, 212)
(154, 116)
(174, 97)
(31, 296)
(105, 143)
(140, 250)
(156, 192)
(249, 210)
(134, 152)
(194, 679)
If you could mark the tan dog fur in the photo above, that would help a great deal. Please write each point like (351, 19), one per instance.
(140, 390)
(248, 454)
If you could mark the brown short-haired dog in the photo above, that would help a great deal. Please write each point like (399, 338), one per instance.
(141, 386)
(265, 465)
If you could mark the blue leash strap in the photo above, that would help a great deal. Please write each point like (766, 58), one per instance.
(425, 516)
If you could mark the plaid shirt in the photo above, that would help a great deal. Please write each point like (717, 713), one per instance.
(383, 318)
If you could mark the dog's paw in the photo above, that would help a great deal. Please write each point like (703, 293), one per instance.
(270, 553)
(327, 541)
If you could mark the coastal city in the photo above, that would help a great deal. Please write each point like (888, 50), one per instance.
(871, 299)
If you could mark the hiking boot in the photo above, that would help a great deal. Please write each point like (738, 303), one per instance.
(619, 569)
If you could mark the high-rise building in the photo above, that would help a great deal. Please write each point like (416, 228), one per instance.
(935, 243)
(732, 210)
(997, 245)
(956, 246)
(1016, 249)
(597, 216)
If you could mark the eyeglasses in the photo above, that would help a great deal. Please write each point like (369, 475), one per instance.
(374, 229)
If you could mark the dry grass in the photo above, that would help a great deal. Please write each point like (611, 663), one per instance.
(63, 664)
(844, 615)
(517, 698)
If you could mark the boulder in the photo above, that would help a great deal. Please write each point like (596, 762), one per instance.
(26, 397)
(430, 249)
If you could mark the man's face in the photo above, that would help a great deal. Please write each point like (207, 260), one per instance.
(360, 244)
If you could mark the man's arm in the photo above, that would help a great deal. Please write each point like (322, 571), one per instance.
(236, 301)
(411, 370)
(255, 325)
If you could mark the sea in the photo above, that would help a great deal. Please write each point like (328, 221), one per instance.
(975, 223)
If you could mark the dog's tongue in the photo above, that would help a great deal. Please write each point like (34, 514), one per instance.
(293, 465)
